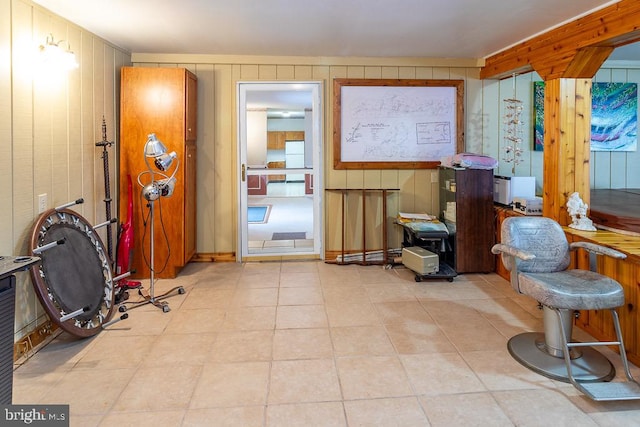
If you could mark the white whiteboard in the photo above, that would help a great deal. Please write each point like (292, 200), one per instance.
(397, 123)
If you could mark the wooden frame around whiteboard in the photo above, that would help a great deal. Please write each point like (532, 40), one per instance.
(417, 163)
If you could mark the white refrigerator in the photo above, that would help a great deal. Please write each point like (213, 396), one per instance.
(294, 158)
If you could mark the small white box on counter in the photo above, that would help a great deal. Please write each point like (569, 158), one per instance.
(528, 206)
(507, 188)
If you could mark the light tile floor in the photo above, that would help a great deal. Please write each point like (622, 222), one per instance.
(312, 344)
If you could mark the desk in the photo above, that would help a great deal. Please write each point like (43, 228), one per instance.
(345, 192)
(436, 241)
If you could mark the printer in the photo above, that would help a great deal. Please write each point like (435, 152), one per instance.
(506, 188)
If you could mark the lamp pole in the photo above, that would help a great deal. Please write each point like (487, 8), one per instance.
(151, 192)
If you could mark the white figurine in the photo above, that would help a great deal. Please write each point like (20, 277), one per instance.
(577, 208)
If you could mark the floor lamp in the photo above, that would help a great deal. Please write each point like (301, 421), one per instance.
(152, 190)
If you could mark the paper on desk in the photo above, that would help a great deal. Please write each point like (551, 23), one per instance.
(427, 226)
(422, 216)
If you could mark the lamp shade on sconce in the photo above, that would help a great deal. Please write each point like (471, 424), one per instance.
(54, 56)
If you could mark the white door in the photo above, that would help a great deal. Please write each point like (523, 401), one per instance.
(277, 216)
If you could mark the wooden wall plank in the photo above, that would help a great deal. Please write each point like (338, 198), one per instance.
(206, 181)
(224, 207)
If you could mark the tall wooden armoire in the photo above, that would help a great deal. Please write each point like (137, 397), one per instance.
(161, 101)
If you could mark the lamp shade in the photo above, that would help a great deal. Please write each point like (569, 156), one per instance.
(154, 147)
(164, 161)
(54, 55)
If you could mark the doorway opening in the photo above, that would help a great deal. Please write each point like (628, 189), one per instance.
(280, 159)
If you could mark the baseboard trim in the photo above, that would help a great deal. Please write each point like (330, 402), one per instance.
(29, 344)
(288, 257)
(214, 257)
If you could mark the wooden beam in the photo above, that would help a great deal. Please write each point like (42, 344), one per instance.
(586, 62)
(573, 50)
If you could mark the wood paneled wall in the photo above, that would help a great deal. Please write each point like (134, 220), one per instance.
(49, 125)
(484, 133)
(217, 142)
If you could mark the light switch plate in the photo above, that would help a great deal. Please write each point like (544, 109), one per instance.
(42, 202)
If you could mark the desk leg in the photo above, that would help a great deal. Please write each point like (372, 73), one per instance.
(344, 195)
(364, 229)
(384, 227)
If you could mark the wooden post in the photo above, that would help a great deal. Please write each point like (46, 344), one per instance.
(567, 134)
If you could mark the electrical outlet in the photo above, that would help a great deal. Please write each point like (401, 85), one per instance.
(42, 202)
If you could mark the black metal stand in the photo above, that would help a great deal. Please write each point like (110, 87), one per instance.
(150, 297)
(107, 186)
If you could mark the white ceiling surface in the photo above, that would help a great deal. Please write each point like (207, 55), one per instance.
(320, 28)
(285, 99)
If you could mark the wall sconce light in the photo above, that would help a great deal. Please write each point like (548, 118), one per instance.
(54, 55)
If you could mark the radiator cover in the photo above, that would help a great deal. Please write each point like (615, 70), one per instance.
(7, 319)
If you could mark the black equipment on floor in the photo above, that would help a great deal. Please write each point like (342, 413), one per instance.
(73, 280)
(8, 266)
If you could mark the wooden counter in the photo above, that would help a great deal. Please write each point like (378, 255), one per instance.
(616, 209)
(626, 272)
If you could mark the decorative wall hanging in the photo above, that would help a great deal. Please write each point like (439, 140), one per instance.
(513, 129)
(614, 116)
(538, 116)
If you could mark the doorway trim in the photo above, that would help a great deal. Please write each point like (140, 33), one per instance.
(315, 91)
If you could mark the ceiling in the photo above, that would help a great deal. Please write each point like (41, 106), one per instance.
(321, 28)
(281, 103)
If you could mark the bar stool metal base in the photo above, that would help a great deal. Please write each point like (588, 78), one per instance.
(591, 366)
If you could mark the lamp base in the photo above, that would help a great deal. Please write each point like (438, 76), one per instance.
(157, 301)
